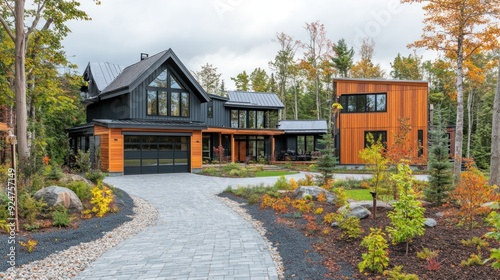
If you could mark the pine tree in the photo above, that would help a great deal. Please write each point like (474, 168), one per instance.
(441, 173)
(342, 61)
(327, 161)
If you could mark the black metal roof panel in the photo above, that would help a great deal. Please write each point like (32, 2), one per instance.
(103, 73)
(132, 75)
(137, 123)
(303, 126)
(243, 99)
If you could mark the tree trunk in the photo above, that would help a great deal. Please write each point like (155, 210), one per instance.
(459, 132)
(495, 136)
(20, 83)
(296, 100)
(470, 120)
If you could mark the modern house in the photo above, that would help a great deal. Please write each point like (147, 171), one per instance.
(375, 106)
(154, 117)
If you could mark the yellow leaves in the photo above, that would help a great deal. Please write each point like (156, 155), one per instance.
(102, 197)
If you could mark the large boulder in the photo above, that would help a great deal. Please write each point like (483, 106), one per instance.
(313, 191)
(55, 195)
(359, 212)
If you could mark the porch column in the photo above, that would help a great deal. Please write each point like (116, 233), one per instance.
(232, 148)
(272, 149)
(220, 139)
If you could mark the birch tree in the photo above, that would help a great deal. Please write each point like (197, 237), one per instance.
(459, 28)
(495, 136)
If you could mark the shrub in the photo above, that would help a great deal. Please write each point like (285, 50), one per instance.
(253, 199)
(29, 245)
(102, 198)
(427, 254)
(397, 274)
(472, 191)
(95, 175)
(55, 172)
(321, 197)
(81, 189)
(318, 211)
(282, 184)
(267, 201)
(494, 220)
(328, 218)
(211, 171)
(60, 217)
(407, 217)
(308, 180)
(474, 259)
(377, 256)
(293, 184)
(280, 205)
(475, 241)
(29, 207)
(341, 196)
(302, 205)
(350, 226)
(83, 161)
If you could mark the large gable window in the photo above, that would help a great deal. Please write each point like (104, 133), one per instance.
(167, 97)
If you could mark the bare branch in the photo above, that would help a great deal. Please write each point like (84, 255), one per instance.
(7, 28)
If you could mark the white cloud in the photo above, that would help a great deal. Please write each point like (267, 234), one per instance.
(234, 35)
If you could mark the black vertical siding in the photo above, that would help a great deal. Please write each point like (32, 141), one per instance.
(112, 108)
(221, 115)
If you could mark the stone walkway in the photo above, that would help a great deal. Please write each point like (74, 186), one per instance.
(196, 237)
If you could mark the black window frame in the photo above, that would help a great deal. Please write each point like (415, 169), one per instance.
(376, 134)
(169, 90)
(264, 114)
(358, 103)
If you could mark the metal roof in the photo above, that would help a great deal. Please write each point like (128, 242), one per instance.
(158, 124)
(243, 99)
(378, 80)
(132, 75)
(303, 126)
(103, 73)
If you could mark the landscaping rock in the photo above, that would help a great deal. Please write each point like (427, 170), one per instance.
(430, 222)
(490, 205)
(314, 191)
(368, 204)
(334, 225)
(55, 195)
(439, 214)
(68, 178)
(359, 212)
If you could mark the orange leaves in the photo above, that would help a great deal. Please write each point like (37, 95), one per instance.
(472, 191)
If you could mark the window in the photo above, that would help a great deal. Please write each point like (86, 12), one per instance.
(166, 97)
(359, 103)
(420, 136)
(234, 118)
(377, 135)
(251, 119)
(305, 144)
(243, 119)
(210, 109)
(260, 119)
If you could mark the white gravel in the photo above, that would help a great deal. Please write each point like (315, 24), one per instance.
(68, 263)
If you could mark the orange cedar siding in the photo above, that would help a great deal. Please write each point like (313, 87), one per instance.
(196, 150)
(404, 99)
(116, 150)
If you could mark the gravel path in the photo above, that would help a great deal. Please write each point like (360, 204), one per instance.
(68, 263)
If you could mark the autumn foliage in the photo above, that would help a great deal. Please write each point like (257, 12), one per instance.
(471, 192)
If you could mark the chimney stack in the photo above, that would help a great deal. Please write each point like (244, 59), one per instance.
(144, 56)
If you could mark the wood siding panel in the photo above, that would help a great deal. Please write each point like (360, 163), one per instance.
(403, 100)
(116, 150)
(104, 152)
(196, 150)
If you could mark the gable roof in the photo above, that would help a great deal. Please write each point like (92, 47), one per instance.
(103, 73)
(134, 74)
(244, 99)
(303, 126)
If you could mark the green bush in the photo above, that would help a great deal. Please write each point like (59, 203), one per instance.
(95, 175)
(211, 171)
(83, 161)
(376, 258)
(231, 166)
(351, 228)
(397, 274)
(55, 173)
(81, 189)
(282, 184)
(60, 217)
(29, 207)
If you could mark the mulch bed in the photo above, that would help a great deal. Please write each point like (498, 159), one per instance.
(338, 258)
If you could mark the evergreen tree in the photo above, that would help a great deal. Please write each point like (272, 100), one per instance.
(342, 61)
(441, 173)
(327, 161)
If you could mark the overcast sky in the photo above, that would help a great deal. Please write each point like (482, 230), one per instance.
(235, 35)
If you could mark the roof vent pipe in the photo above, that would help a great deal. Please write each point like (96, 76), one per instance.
(144, 56)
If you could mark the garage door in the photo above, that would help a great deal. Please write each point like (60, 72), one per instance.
(144, 154)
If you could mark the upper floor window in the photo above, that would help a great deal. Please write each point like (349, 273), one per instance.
(167, 97)
(252, 119)
(359, 103)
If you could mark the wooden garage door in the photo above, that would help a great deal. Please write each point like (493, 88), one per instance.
(144, 154)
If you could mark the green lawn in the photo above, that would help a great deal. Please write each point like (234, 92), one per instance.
(273, 173)
(359, 194)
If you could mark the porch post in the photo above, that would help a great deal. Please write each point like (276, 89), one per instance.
(232, 148)
(271, 158)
